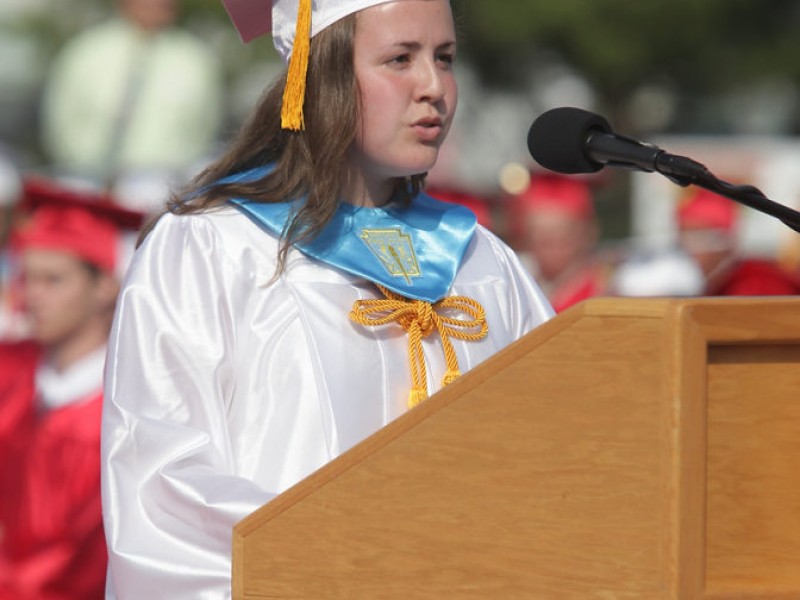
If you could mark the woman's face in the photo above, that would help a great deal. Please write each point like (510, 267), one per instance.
(403, 56)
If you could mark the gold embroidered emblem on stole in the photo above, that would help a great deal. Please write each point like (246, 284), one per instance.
(394, 250)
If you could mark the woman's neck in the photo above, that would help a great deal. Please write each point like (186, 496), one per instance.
(362, 190)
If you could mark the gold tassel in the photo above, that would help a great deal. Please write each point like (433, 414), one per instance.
(416, 397)
(295, 91)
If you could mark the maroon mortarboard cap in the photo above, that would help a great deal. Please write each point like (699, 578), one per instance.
(251, 18)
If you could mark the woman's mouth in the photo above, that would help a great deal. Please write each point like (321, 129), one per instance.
(428, 130)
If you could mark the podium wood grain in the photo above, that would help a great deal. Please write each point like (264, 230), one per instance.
(627, 449)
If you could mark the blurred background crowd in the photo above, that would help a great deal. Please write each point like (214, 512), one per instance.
(106, 106)
(129, 98)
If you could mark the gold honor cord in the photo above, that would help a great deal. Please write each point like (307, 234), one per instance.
(420, 319)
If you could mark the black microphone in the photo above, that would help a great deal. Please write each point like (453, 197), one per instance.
(571, 140)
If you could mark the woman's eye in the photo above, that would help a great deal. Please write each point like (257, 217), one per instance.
(401, 59)
(446, 59)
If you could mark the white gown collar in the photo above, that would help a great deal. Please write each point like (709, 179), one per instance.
(58, 389)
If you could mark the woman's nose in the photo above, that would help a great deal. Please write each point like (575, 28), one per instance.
(431, 82)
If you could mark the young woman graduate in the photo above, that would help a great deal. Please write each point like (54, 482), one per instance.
(302, 295)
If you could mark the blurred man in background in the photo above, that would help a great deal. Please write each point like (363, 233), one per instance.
(133, 97)
(557, 232)
(707, 231)
(51, 536)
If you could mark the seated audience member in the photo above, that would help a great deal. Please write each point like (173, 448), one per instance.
(557, 232)
(707, 230)
(69, 254)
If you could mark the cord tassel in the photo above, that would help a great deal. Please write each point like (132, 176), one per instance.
(295, 91)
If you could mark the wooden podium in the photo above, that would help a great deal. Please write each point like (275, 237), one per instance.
(644, 449)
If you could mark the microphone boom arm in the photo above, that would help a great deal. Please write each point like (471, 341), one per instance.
(685, 171)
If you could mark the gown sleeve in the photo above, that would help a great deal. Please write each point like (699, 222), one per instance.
(171, 493)
(526, 306)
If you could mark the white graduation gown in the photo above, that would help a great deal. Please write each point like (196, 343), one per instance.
(224, 388)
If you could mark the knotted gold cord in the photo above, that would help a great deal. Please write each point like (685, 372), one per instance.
(420, 319)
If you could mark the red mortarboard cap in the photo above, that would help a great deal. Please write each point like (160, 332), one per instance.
(86, 224)
(706, 210)
(568, 195)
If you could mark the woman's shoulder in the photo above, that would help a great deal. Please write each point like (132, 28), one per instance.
(224, 221)
(486, 242)
(223, 231)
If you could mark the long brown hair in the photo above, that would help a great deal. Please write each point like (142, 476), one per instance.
(311, 162)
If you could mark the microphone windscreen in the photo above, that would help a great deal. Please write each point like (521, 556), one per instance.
(557, 139)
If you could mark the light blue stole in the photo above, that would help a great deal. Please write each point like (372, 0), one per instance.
(414, 251)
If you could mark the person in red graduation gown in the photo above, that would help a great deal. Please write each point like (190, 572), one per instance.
(707, 225)
(51, 536)
(557, 231)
